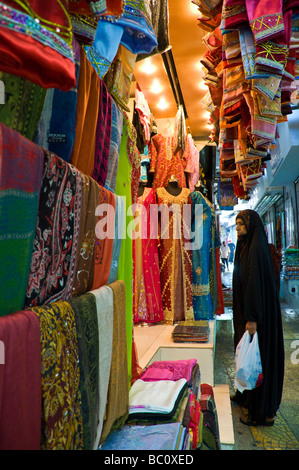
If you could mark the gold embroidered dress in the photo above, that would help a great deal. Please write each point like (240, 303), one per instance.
(174, 259)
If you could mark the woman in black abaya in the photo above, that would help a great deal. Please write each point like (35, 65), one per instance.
(256, 307)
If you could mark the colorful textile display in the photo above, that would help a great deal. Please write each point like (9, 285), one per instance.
(20, 183)
(36, 42)
(85, 311)
(174, 259)
(54, 255)
(62, 423)
(83, 153)
(104, 307)
(147, 301)
(117, 407)
(20, 382)
(202, 262)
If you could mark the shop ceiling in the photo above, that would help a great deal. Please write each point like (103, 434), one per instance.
(177, 77)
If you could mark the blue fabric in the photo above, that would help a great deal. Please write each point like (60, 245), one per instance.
(202, 260)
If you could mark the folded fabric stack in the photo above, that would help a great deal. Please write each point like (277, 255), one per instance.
(164, 411)
(191, 332)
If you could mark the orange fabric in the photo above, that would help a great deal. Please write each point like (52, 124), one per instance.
(86, 117)
(104, 246)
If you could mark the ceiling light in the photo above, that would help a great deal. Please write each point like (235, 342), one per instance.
(162, 104)
(156, 87)
(148, 67)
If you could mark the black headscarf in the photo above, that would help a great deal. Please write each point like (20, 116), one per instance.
(256, 298)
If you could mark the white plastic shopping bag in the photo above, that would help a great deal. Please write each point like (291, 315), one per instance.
(249, 374)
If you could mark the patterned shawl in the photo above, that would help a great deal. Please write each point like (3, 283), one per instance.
(61, 397)
(85, 311)
(117, 408)
(53, 262)
(20, 180)
(85, 254)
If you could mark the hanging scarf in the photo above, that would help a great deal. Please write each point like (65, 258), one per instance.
(20, 182)
(117, 407)
(20, 382)
(53, 264)
(85, 311)
(103, 136)
(62, 424)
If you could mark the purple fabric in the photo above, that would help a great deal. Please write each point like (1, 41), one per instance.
(169, 370)
(103, 136)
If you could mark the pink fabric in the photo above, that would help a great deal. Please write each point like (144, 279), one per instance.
(20, 382)
(180, 369)
(152, 310)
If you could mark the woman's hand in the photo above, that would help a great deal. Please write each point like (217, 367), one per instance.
(251, 326)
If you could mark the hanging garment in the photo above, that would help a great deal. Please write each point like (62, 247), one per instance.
(54, 254)
(57, 124)
(103, 136)
(85, 310)
(117, 240)
(127, 186)
(192, 167)
(147, 301)
(20, 183)
(117, 407)
(119, 76)
(86, 117)
(84, 272)
(174, 259)
(202, 258)
(20, 382)
(164, 163)
(104, 235)
(62, 423)
(84, 28)
(23, 104)
(36, 42)
(104, 306)
(116, 129)
(158, 14)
